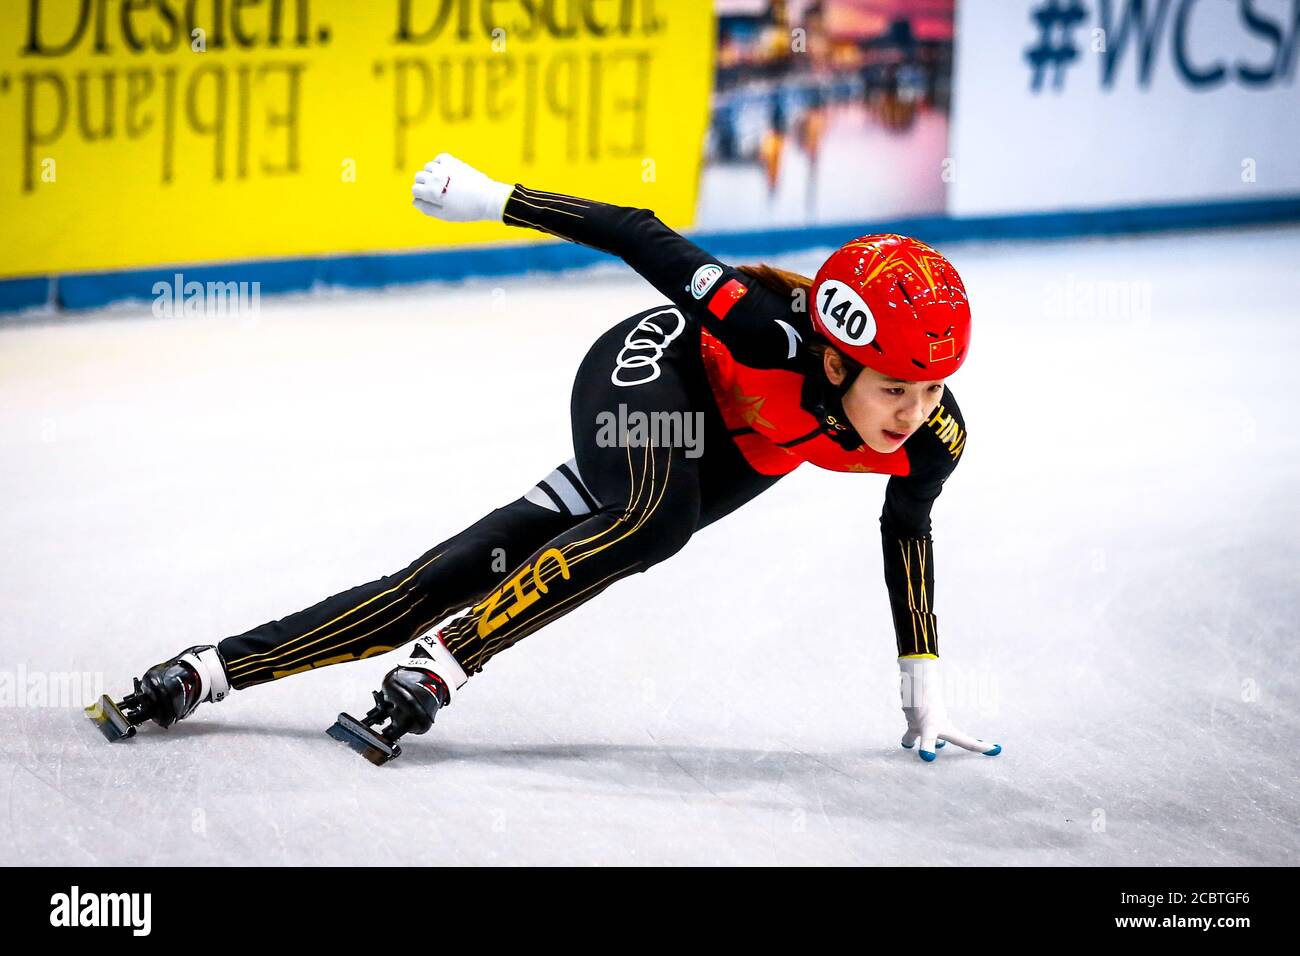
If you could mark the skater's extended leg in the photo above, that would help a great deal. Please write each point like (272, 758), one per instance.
(360, 622)
(395, 609)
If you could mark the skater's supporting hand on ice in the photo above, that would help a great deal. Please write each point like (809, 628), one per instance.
(927, 717)
(457, 192)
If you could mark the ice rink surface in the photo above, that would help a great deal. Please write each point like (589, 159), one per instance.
(1118, 587)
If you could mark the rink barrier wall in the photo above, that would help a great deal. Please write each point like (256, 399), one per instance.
(93, 290)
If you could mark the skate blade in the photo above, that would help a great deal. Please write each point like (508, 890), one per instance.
(364, 740)
(110, 720)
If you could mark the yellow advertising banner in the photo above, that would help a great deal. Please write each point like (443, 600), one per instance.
(141, 133)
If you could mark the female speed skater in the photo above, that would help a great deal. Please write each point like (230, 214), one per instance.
(856, 383)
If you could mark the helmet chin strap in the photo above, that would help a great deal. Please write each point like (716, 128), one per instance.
(824, 401)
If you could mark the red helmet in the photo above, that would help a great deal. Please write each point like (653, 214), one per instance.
(895, 305)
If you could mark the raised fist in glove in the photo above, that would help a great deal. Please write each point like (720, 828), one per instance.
(457, 192)
(927, 718)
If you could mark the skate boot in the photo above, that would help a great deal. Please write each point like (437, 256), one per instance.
(168, 692)
(411, 696)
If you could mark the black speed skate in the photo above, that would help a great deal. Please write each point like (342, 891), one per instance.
(168, 692)
(410, 698)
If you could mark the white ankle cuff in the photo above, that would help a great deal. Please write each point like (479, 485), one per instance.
(429, 652)
(213, 683)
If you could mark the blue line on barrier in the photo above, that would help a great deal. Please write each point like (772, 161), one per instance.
(24, 293)
(92, 290)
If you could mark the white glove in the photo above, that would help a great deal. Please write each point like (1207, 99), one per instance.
(457, 192)
(921, 688)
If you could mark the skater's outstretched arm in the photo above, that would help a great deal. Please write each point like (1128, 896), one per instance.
(909, 576)
(759, 327)
(905, 527)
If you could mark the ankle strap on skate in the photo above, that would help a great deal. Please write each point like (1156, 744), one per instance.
(429, 653)
(207, 663)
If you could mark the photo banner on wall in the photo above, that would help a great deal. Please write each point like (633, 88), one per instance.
(1089, 104)
(826, 112)
(187, 131)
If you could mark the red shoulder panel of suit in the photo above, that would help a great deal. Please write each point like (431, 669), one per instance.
(769, 426)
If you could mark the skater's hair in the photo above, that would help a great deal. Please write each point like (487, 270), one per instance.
(780, 281)
(784, 283)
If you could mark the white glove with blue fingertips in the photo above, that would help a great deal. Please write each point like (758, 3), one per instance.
(921, 688)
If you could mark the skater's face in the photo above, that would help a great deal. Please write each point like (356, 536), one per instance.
(885, 411)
